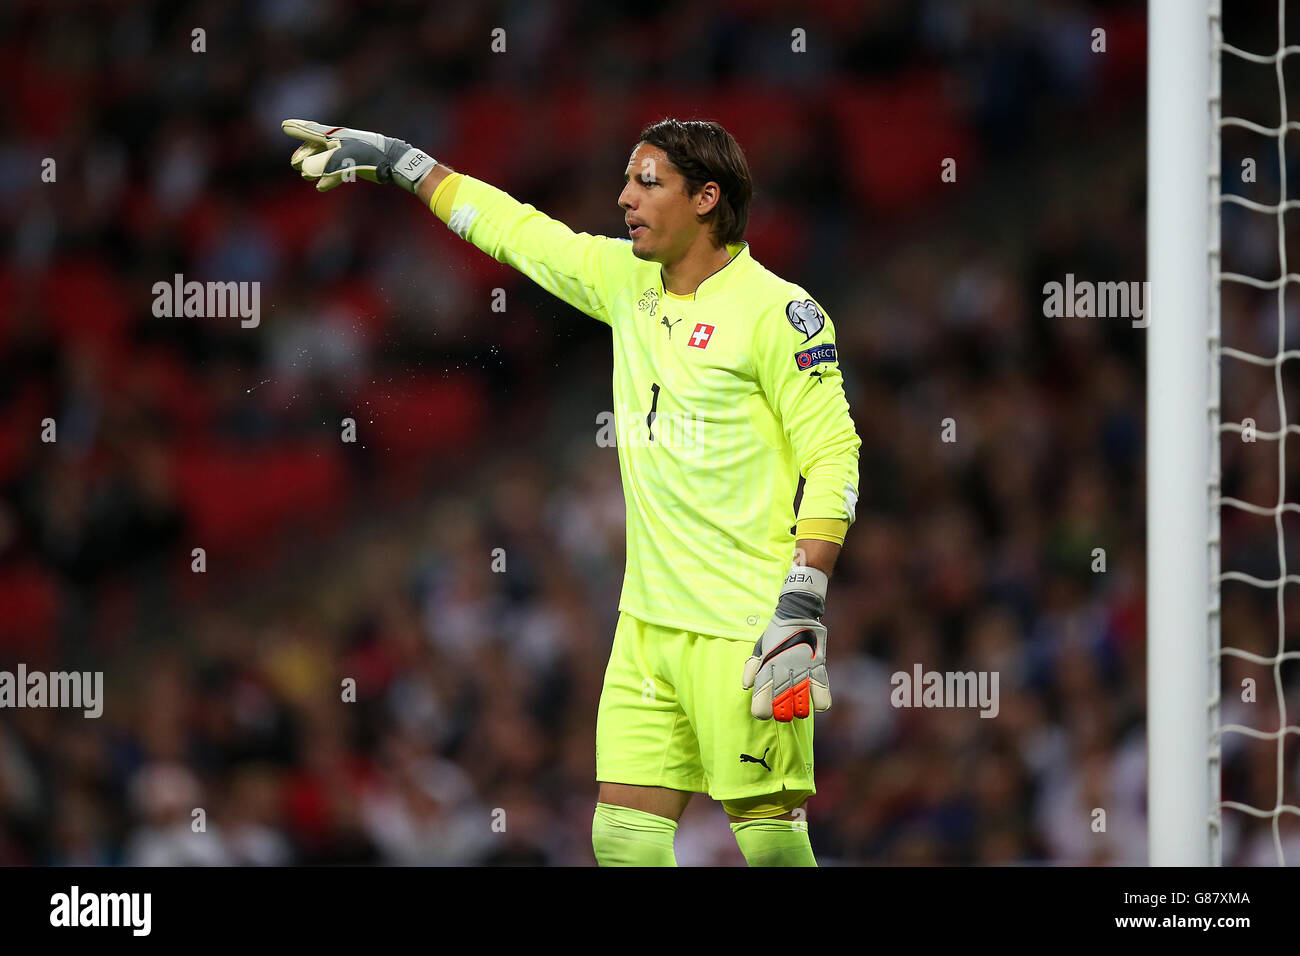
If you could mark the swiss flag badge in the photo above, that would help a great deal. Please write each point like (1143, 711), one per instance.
(700, 337)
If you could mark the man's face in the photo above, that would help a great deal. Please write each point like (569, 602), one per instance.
(661, 217)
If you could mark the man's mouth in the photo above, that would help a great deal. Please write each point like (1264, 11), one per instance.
(636, 228)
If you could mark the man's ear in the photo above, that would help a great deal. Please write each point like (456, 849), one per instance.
(707, 198)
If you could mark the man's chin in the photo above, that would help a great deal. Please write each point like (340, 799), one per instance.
(642, 252)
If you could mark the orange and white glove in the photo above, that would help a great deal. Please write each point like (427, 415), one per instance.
(788, 669)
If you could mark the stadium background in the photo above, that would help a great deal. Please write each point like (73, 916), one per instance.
(477, 430)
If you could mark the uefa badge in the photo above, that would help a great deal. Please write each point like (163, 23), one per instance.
(806, 318)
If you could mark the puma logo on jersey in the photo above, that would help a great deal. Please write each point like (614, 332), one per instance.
(668, 325)
(746, 758)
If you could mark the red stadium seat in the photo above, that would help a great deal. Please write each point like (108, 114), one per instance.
(370, 312)
(897, 135)
(238, 498)
(85, 303)
(412, 419)
(169, 385)
(293, 216)
(29, 598)
(20, 426)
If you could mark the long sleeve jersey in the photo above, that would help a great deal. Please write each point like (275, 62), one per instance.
(722, 400)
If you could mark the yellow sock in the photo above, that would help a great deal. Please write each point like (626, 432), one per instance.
(774, 843)
(621, 836)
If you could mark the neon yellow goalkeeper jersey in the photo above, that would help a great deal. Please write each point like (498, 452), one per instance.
(721, 400)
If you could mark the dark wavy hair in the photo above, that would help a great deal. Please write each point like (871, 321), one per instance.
(705, 152)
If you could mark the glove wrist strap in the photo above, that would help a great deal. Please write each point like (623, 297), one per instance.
(410, 168)
(804, 593)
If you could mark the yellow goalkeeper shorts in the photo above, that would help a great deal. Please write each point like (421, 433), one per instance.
(673, 714)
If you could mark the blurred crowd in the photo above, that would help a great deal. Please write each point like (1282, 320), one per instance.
(391, 650)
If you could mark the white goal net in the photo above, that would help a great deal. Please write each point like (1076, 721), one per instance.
(1254, 563)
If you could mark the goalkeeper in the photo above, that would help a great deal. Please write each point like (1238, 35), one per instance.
(727, 388)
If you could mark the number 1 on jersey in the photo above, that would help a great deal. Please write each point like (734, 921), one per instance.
(654, 407)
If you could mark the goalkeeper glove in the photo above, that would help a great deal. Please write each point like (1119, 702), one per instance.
(335, 154)
(789, 662)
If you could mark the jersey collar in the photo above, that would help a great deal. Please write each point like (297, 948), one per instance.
(718, 280)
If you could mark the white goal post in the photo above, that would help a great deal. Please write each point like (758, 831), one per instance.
(1180, 364)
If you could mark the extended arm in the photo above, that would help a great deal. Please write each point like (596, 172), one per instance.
(580, 269)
